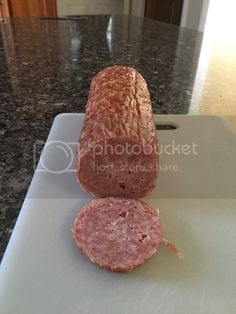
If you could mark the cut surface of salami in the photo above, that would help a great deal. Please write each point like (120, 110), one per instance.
(118, 234)
(117, 153)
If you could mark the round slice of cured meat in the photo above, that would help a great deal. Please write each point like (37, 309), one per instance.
(118, 234)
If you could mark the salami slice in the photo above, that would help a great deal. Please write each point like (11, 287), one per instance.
(118, 234)
(117, 153)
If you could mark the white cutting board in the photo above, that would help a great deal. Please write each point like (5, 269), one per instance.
(44, 272)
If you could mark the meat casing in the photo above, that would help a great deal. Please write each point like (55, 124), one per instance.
(117, 153)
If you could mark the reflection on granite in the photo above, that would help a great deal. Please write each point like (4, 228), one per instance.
(46, 69)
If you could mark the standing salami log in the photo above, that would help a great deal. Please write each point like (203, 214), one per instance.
(117, 154)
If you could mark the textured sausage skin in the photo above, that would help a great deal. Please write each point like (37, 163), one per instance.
(117, 153)
(117, 234)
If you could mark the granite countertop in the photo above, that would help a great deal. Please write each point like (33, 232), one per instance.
(46, 69)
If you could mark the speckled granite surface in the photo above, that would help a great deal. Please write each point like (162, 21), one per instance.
(46, 67)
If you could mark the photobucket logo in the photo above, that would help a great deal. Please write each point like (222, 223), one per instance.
(121, 149)
(126, 148)
(58, 157)
(173, 148)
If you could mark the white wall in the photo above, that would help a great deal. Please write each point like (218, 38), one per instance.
(217, 61)
(80, 7)
(194, 14)
(137, 7)
(127, 4)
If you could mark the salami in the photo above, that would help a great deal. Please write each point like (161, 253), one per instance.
(117, 153)
(118, 234)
